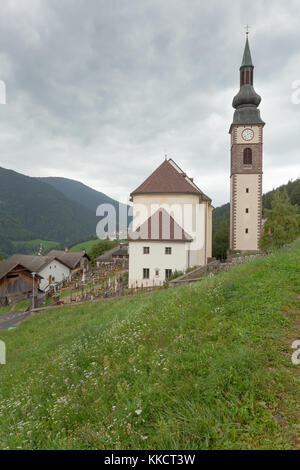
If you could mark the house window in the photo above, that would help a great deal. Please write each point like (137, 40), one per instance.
(168, 250)
(168, 273)
(247, 211)
(156, 272)
(146, 273)
(246, 231)
(146, 250)
(247, 157)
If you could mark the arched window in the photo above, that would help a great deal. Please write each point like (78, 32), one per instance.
(247, 156)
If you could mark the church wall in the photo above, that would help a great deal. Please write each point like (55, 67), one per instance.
(156, 259)
(194, 217)
(209, 232)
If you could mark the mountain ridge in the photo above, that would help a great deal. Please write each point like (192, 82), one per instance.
(31, 208)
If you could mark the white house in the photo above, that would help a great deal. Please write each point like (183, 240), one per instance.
(53, 272)
(172, 226)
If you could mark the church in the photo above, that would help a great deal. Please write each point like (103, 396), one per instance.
(172, 217)
(172, 226)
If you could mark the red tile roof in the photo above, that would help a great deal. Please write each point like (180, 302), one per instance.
(169, 178)
(160, 227)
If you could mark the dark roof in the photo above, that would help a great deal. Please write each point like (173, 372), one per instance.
(246, 101)
(9, 265)
(33, 262)
(247, 59)
(122, 251)
(69, 258)
(107, 255)
(169, 178)
(160, 227)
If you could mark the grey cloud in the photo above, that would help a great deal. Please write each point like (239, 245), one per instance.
(99, 90)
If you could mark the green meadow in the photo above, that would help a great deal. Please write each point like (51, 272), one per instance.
(204, 366)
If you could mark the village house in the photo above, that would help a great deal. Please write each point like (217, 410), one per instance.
(116, 254)
(172, 226)
(77, 261)
(19, 271)
(121, 254)
(51, 270)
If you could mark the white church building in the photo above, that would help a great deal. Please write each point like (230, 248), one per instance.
(172, 226)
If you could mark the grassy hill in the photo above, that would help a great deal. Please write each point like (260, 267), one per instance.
(205, 366)
(87, 245)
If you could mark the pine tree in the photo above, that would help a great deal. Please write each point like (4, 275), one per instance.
(221, 240)
(282, 224)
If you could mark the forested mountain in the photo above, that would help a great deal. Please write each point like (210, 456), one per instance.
(30, 208)
(88, 197)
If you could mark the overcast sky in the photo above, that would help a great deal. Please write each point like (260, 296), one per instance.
(100, 90)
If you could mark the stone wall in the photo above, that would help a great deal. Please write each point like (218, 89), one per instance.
(215, 267)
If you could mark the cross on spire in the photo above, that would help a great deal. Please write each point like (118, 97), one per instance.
(247, 27)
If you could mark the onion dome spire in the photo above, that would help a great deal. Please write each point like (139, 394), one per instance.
(247, 100)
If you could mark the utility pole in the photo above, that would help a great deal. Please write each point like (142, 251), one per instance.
(33, 276)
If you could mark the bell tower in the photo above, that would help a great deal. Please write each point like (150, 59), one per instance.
(246, 163)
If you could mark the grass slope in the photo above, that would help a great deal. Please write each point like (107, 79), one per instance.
(32, 246)
(205, 366)
(88, 245)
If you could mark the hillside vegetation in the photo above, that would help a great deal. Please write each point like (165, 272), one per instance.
(88, 197)
(31, 209)
(205, 366)
(221, 216)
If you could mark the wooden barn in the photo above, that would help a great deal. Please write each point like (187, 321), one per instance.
(16, 282)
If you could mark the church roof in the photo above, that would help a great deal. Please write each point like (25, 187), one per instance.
(168, 178)
(160, 227)
(247, 59)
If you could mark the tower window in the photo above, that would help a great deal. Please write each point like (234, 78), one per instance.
(247, 211)
(243, 78)
(247, 77)
(247, 157)
(247, 190)
(246, 231)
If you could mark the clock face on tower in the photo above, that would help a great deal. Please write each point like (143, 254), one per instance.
(248, 134)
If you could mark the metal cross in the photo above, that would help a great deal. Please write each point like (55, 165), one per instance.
(247, 27)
